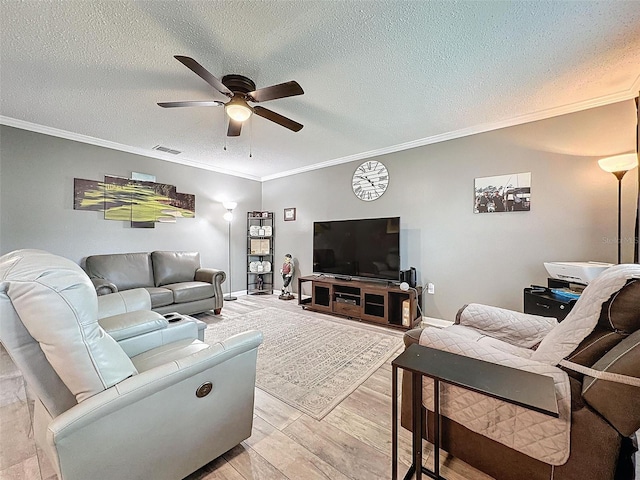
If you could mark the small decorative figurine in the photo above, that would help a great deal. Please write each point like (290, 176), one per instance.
(287, 271)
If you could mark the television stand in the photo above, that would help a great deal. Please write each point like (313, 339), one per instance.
(373, 302)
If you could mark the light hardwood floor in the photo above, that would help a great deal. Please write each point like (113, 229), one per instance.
(351, 442)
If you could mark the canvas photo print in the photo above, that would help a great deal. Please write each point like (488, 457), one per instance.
(503, 193)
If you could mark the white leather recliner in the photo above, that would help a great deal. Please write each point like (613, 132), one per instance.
(158, 403)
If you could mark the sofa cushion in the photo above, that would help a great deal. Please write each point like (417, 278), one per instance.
(160, 296)
(125, 270)
(621, 312)
(617, 402)
(190, 291)
(58, 305)
(174, 267)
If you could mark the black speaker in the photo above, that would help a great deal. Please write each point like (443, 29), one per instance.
(409, 276)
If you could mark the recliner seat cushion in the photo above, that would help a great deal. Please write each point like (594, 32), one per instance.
(124, 270)
(160, 296)
(190, 291)
(174, 267)
(58, 305)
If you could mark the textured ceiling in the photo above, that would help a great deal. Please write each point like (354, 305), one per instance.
(378, 76)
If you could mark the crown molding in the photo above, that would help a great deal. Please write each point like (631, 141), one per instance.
(465, 132)
(628, 94)
(77, 137)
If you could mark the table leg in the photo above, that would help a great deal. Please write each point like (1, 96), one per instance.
(394, 423)
(436, 427)
(417, 424)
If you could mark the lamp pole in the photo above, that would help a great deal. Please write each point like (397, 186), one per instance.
(619, 176)
(619, 165)
(229, 218)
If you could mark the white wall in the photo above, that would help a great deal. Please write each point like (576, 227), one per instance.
(36, 203)
(472, 257)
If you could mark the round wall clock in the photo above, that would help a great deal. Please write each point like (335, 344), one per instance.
(370, 180)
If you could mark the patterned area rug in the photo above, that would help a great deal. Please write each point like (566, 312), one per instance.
(307, 362)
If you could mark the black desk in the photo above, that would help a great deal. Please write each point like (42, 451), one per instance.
(529, 390)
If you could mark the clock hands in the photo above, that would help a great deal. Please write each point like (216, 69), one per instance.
(368, 180)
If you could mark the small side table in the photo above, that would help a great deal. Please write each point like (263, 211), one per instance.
(529, 390)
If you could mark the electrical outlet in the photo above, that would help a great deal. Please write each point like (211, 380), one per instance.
(431, 288)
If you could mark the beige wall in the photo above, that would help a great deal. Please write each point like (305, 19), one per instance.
(482, 258)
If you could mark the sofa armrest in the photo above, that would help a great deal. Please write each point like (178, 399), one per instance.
(103, 287)
(162, 403)
(216, 278)
(123, 302)
(133, 324)
(516, 328)
(149, 383)
(210, 275)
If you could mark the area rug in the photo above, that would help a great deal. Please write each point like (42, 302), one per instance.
(307, 362)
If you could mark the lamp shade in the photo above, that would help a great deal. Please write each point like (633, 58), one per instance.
(238, 110)
(229, 205)
(619, 163)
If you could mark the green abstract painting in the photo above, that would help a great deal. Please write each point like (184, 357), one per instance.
(139, 202)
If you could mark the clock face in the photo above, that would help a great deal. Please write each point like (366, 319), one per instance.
(370, 180)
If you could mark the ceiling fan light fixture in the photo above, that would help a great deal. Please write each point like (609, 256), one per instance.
(238, 110)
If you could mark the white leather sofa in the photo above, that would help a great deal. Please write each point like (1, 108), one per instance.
(155, 407)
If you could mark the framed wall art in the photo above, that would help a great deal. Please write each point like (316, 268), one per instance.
(502, 193)
(289, 214)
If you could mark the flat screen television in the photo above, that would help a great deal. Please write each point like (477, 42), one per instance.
(367, 248)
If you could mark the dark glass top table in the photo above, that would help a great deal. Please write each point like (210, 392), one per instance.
(526, 389)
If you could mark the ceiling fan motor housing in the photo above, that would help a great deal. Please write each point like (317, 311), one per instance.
(238, 84)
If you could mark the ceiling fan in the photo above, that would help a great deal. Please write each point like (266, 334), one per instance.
(240, 90)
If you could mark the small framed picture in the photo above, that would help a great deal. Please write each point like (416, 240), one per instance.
(289, 214)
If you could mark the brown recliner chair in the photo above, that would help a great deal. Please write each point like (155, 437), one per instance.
(604, 415)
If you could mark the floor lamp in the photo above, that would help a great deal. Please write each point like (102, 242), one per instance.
(229, 217)
(619, 165)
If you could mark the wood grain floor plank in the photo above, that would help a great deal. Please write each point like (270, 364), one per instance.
(376, 405)
(218, 469)
(274, 410)
(371, 433)
(345, 452)
(251, 465)
(288, 456)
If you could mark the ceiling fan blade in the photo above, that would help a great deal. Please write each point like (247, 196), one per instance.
(282, 90)
(234, 128)
(195, 103)
(203, 73)
(277, 118)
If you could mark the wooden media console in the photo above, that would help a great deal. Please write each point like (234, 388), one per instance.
(377, 302)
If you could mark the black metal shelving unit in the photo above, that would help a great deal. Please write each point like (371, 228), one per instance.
(260, 248)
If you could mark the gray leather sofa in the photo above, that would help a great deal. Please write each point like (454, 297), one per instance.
(160, 408)
(175, 281)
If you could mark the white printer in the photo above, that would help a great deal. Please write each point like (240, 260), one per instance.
(576, 272)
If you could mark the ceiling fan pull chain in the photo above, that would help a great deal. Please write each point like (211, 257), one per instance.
(250, 136)
(224, 125)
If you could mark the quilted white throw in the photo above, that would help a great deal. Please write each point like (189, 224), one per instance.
(531, 433)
